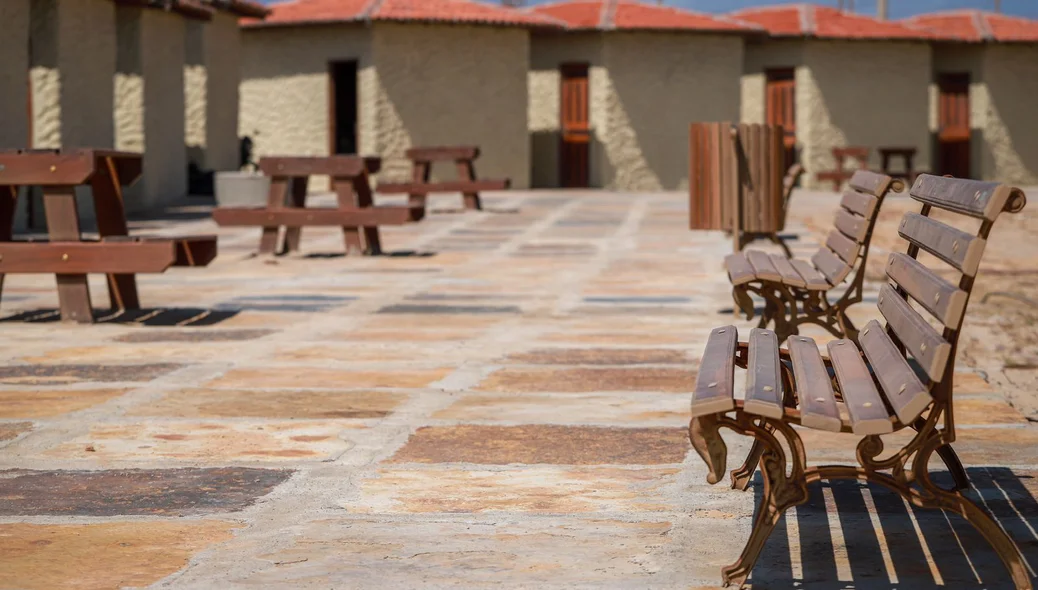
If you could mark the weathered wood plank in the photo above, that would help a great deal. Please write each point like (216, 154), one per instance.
(873, 183)
(920, 338)
(868, 413)
(851, 225)
(844, 247)
(449, 186)
(956, 247)
(740, 270)
(902, 388)
(338, 166)
(813, 279)
(790, 276)
(860, 203)
(715, 383)
(82, 258)
(306, 217)
(442, 153)
(975, 198)
(941, 298)
(762, 266)
(28, 168)
(818, 407)
(830, 265)
(763, 375)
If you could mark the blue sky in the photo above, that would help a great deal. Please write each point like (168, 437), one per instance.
(898, 8)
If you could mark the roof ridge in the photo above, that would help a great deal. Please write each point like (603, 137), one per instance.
(607, 20)
(980, 21)
(807, 19)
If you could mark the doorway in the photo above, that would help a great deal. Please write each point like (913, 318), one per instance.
(575, 143)
(780, 107)
(342, 107)
(953, 125)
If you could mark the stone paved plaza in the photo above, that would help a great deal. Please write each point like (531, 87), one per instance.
(501, 402)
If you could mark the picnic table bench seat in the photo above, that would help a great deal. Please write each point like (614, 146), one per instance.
(466, 183)
(796, 291)
(286, 213)
(898, 375)
(70, 255)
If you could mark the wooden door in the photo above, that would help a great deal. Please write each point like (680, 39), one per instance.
(953, 125)
(780, 105)
(575, 143)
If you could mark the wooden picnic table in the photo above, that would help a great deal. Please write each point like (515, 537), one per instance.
(907, 155)
(286, 207)
(68, 253)
(422, 159)
(840, 175)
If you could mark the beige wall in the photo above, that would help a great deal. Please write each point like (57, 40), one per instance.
(14, 68)
(444, 85)
(762, 56)
(645, 88)
(212, 74)
(1011, 125)
(150, 103)
(73, 63)
(284, 88)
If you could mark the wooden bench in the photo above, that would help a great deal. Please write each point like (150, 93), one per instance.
(736, 181)
(286, 207)
(68, 254)
(422, 159)
(907, 155)
(796, 291)
(840, 175)
(866, 388)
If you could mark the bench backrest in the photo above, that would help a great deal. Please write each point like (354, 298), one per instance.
(915, 287)
(847, 246)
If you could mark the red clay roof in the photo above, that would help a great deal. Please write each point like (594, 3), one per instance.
(823, 22)
(301, 12)
(609, 15)
(976, 26)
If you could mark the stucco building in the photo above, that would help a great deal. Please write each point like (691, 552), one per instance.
(611, 97)
(378, 77)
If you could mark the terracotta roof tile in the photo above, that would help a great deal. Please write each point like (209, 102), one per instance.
(633, 15)
(976, 26)
(298, 12)
(823, 22)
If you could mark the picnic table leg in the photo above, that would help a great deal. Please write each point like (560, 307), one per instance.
(59, 203)
(110, 211)
(8, 200)
(419, 175)
(467, 171)
(343, 188)
(297, 198)
(275, 200)
(364, 199)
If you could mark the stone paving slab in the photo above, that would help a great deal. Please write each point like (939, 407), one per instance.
(503, 401)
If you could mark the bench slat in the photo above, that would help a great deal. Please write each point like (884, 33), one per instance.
(715, 383)
(869, 415)
(851, 225)
(902, 388)
(813, 279)
(830, 265)
(763, 377)
(844, 247)
(956, 247)
(307, 217)
(919, 337)
(196, 251)
(337, 166)
(109, 257)
(941, 298)
(860, 203)
(975, 198)
(762, 266)
(790, 276)
(442, 153)
(739, 269)
(818, 407)
(449, 186)
(871, 183)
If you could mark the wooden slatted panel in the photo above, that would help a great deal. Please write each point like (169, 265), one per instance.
(975, 198)
(851, 225)
(868, 413)
(872, 183)
(763, 376)
(958, 248)
(902, 388)
(762, 266)
(715, 383)
(740, 270)
(817, 401)
(790, 276)
(707, 209)
(941, 298)
(813, 279)
(930, 350)
(730, 174)
(830, 265)
(860, 203)
(844, 247)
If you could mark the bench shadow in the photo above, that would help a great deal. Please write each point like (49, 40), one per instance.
(390, 254)
(870, 539)
(157, 316)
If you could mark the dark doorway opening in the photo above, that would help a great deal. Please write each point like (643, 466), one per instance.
(780, 104)
(342, 107)
(574, 160)
(953, 125)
